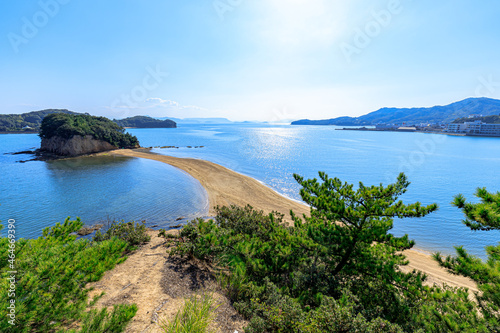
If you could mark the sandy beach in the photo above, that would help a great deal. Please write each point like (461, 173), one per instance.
(226, 187)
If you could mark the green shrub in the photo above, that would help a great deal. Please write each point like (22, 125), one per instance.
(198, 239)
(133, 233)
(280, 313)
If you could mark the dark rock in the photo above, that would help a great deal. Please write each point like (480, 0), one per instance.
(86, 230)
(76, 145)
(24, 152)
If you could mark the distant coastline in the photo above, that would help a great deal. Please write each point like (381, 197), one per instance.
(415, 131)
(19, 132)
(436, 115)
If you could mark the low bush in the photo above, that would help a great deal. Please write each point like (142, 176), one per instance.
(51, 273)
(134, 233)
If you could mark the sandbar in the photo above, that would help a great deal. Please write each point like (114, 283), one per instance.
(227, 187)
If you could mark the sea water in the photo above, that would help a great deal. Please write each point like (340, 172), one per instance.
(438, 167)
(38, 194)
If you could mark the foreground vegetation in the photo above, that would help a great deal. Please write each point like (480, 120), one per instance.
(337, 270)
(482, 216)
(51, 276)
(100, 128)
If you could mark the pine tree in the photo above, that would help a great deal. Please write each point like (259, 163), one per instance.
(337, 270)
(351, 230)
(484, 215)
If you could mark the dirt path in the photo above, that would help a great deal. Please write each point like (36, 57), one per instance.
(159, 284)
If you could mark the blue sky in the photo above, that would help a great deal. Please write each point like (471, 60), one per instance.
(245, 59)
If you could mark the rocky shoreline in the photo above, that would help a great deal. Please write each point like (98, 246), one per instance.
(39, 155)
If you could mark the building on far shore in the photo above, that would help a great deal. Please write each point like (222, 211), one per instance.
(474, 128)
(407, 128)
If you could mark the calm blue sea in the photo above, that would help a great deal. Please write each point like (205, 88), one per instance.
(438, 166)
(38, 194)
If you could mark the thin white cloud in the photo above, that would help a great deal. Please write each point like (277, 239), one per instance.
(155, 106)
(194, 107)
(161, 101)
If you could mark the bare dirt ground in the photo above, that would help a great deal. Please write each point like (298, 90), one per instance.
(159, 284)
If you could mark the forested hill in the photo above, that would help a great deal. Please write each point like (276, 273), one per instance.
(145, 122)
(27, 122)
(485, 119)
(435, 114)
(66, 126)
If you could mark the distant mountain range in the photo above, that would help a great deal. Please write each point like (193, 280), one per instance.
(410, 116)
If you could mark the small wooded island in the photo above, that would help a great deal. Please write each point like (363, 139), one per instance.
(145, 122)
(28, 123)
(79, 134)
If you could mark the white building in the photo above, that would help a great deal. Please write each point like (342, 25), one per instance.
(475, 128)
(456, 128)
(486, 129)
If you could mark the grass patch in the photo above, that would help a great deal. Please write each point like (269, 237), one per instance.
(97, 321)
(195, 317)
